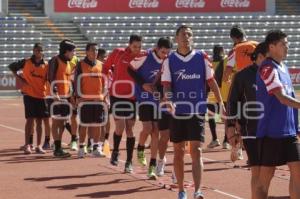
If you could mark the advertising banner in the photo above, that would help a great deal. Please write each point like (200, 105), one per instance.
(159, 6)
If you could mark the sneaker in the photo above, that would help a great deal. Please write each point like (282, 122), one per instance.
(128, 167)
(198, 195)
(60, 153)
(141, 158)
(240, 154)
(73, 146)
(27, 149)
(46, 146)
(182, 195)
(85, 150)
(98, 152)
(81, 153)
(151, 173)
(90, 149)
(39, 150)
(226, 145)
(213, 144)
(160, 168)
(174, 179)
(114, 160)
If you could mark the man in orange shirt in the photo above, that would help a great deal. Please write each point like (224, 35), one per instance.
(60, 80)
(33, 86)
(239, 56)
(122, 97)
(89, 89)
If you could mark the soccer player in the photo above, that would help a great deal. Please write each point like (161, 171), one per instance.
(242, 99)
(218, 64)
(239, 56)
(185, 75)
(122, 97)
(144, 69)
(89, 91)
(278, 128)
(60, 72)
(33, 80)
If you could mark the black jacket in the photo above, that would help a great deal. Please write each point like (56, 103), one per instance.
(243, 92)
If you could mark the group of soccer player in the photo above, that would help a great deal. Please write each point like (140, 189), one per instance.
(168, 90)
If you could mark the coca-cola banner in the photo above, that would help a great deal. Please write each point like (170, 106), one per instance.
(162, 6)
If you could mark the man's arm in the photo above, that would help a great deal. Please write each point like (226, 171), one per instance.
(110, 61)
(286, 100)
(52, 69)
(15, 67)
(270, 77)
(230, 65)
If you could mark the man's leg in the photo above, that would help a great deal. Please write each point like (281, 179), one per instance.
(130, 142)
(120, 126)
(295, 179)
(163, 143)
(197, 164)
(39, 131)
(147, 129)
(154, 149)
(29, 128)
(57, 132)
(46, 145)
(74, 128)
(254, 180)
(265, 176)
(179, 149)
(82, 136)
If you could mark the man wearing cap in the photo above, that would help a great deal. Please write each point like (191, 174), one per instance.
(60, 80)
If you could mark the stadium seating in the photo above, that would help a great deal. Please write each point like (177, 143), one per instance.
(113, 31)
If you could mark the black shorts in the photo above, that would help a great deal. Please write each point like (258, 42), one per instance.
(278, 151)
(35, 107)
(122, 108)
(191, 129)
(60, 109)
(164, 122)
(147, 113)
(252, 151)
(91, 113)
(215, 107)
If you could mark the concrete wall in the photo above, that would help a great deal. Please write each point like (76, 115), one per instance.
(3, 7)
(49, 11)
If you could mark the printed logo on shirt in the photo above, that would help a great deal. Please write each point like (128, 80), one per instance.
(153, 73)
(183, 76)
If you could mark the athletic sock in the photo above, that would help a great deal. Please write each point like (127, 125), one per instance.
(117, 140)
(152, 162)
(130, 142)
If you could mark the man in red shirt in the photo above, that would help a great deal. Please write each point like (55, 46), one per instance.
(122, 97)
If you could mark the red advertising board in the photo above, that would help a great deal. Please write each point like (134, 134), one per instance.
(159, 6)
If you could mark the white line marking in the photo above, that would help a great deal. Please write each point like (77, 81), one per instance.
(12, 128)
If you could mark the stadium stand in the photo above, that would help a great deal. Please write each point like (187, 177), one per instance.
(111, 32)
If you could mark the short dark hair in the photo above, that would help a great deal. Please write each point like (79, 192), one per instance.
(217, 52)
(89, 45)
(66, 45)
(182, 27)
(101, 52)
(134, 38)
(261, 48)
(274, 36)
(237, 32)
(37, 45)
(164, 42)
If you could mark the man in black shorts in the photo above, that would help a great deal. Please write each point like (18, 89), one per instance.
(33, 81)
(243, 91)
